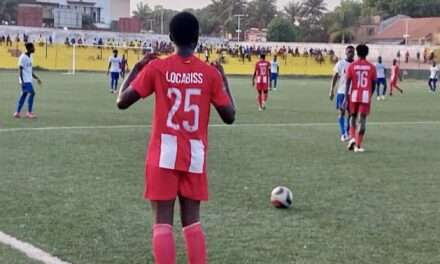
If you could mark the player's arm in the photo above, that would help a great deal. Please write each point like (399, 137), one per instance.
(373, 86)
(21, 74)
(35, 77)
(347, 89)
(335, 79)
(226, 112)
(127, 94)
(109, 66)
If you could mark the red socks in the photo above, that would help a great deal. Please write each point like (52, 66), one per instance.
(164, 248)
(359, 138)
(352, 132)
(195, 243)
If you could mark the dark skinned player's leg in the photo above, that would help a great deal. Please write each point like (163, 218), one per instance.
(192, 231)
(164, 248)
(265, 96)
(361, 130)
(353, 126)
(260, 99)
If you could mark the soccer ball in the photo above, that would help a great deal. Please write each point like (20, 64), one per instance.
(281, 197)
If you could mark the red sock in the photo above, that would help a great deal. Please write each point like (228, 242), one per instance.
(195, 243)
(260, 100)
(164, 248)
(265, 97)
(352, 132)
(359, 139)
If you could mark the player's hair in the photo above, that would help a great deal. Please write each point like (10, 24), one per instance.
(184, 29)
(29, 45)
(362, 50)
(349, 47)
(262, 56)
(115, 51)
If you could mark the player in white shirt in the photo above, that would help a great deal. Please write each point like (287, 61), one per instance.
(381, 79)
(26, 75)
(433, 77)
(114, 69)
(340, 74)
(274, 72)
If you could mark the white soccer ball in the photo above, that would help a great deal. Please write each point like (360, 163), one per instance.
(281, 197)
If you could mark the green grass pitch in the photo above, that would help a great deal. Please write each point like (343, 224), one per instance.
(77, 193)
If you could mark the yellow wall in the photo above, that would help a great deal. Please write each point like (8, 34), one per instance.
(59, 57)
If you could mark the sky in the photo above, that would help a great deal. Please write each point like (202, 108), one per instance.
(182, 4)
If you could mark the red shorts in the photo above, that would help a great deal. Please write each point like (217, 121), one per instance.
(393, 83)
(361, 108)
(164, 184)
(262, 87)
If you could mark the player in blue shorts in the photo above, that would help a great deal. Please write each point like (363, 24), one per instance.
(25, 77)
(274, 71)
(340, 74)
(114, 69)
(381, 79)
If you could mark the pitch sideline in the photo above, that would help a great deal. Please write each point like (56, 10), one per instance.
(29, 250)
(50, 128)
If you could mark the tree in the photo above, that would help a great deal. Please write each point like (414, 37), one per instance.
(387, 8)
(311, 25)
(293, 10)
(88, 22)
(281, 30)
(8, 10)
(143, 11)
(314, 10)
(343, 20)
(261, 12)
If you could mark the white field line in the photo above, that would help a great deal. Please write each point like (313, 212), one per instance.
(397, 123)
(29, 250)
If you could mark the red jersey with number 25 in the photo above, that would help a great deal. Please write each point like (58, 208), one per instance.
(184, 90)
(262, 69)
(362, 75)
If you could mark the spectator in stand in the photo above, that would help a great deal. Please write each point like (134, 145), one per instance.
(8, 41)
(407, 57)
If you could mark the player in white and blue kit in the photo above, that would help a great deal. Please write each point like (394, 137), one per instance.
(26, 75)
(381, 79)
(433, 77)
(340, 74)
(274, 71)
(114, 69)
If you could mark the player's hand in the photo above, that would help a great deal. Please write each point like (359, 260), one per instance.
(146, 59)
(331, 96)
(39, 82)
(344, 105)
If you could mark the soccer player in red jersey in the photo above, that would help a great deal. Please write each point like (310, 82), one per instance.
(262, 78)
(184, 88)
(395, 76)
(361, 82)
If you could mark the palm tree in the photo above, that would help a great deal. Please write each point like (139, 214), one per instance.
(293, 10)
(343, 20)
(143, 11)
(314, 9)
(261, 12)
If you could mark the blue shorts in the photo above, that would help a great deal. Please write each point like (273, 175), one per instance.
(273, 76)
(27, 88)
(339, 101)
(115, 76)
(382, 81)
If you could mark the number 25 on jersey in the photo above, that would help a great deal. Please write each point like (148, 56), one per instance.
(188, 125)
